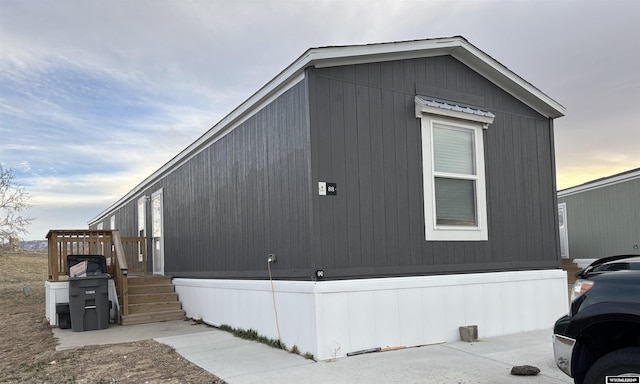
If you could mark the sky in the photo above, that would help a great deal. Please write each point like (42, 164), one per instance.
(97, 95)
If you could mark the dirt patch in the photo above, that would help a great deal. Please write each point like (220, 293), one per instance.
(27, 345)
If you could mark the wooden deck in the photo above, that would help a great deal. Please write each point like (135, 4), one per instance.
(141, 298)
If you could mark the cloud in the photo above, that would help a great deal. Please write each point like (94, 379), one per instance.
(95, 96)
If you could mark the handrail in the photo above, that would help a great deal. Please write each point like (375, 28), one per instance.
(120, 271)
(121, 259)
(135, 249)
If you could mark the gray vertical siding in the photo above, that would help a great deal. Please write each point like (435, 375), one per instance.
(365, 138)
(243, 197)
(605, 221)
(254, 191)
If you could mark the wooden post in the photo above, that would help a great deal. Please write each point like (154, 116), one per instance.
(52, 250)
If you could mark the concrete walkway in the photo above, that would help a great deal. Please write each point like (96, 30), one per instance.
(239, 361)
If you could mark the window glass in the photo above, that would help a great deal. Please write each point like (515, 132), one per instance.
(141, 215)
(455, 202)
(156, 224)
(453, 150)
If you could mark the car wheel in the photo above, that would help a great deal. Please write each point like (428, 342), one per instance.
(620, 362)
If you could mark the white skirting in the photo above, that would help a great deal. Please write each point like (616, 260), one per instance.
(332, 318)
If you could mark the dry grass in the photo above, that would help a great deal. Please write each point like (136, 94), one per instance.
(27, 345)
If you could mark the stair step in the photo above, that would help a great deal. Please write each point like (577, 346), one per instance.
(571, 268)
(154, 307)
(150, 288)
(153, 317)
(152, 298)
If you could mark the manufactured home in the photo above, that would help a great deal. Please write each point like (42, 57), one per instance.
(368, 196)
(600, 218)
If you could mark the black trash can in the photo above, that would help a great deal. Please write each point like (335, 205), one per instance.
(64, 316)
(89, 296)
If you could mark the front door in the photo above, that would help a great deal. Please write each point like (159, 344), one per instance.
(157, 236)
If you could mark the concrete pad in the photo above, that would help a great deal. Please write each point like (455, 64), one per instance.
(116, 334)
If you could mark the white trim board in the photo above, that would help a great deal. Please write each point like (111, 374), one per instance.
(332, 318)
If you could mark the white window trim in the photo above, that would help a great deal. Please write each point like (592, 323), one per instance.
(564, 234)
(434, 232)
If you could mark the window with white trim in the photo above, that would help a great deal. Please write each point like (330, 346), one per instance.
(142, 204)
(455, 204)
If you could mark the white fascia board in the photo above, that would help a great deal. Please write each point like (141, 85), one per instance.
(508, 80)
(457, 46)
(360, 54)
(601, 183)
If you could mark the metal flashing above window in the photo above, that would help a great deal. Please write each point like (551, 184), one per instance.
(432, 106)
(455, 201)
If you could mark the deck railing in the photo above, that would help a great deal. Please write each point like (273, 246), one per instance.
(135, 250)
(120, 270)
(124, 255)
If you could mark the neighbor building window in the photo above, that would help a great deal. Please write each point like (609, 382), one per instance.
(453, 170)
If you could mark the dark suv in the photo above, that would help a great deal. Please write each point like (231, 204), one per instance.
(600, 337)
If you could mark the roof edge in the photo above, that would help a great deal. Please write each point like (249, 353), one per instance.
(456, 46)
(601, 182)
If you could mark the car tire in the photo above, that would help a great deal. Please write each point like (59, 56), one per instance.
(626, 360)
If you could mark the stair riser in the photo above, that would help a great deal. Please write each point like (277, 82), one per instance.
(148, 289)
(152, 317)
(153, 298)
(158, 280)
(154, 307)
